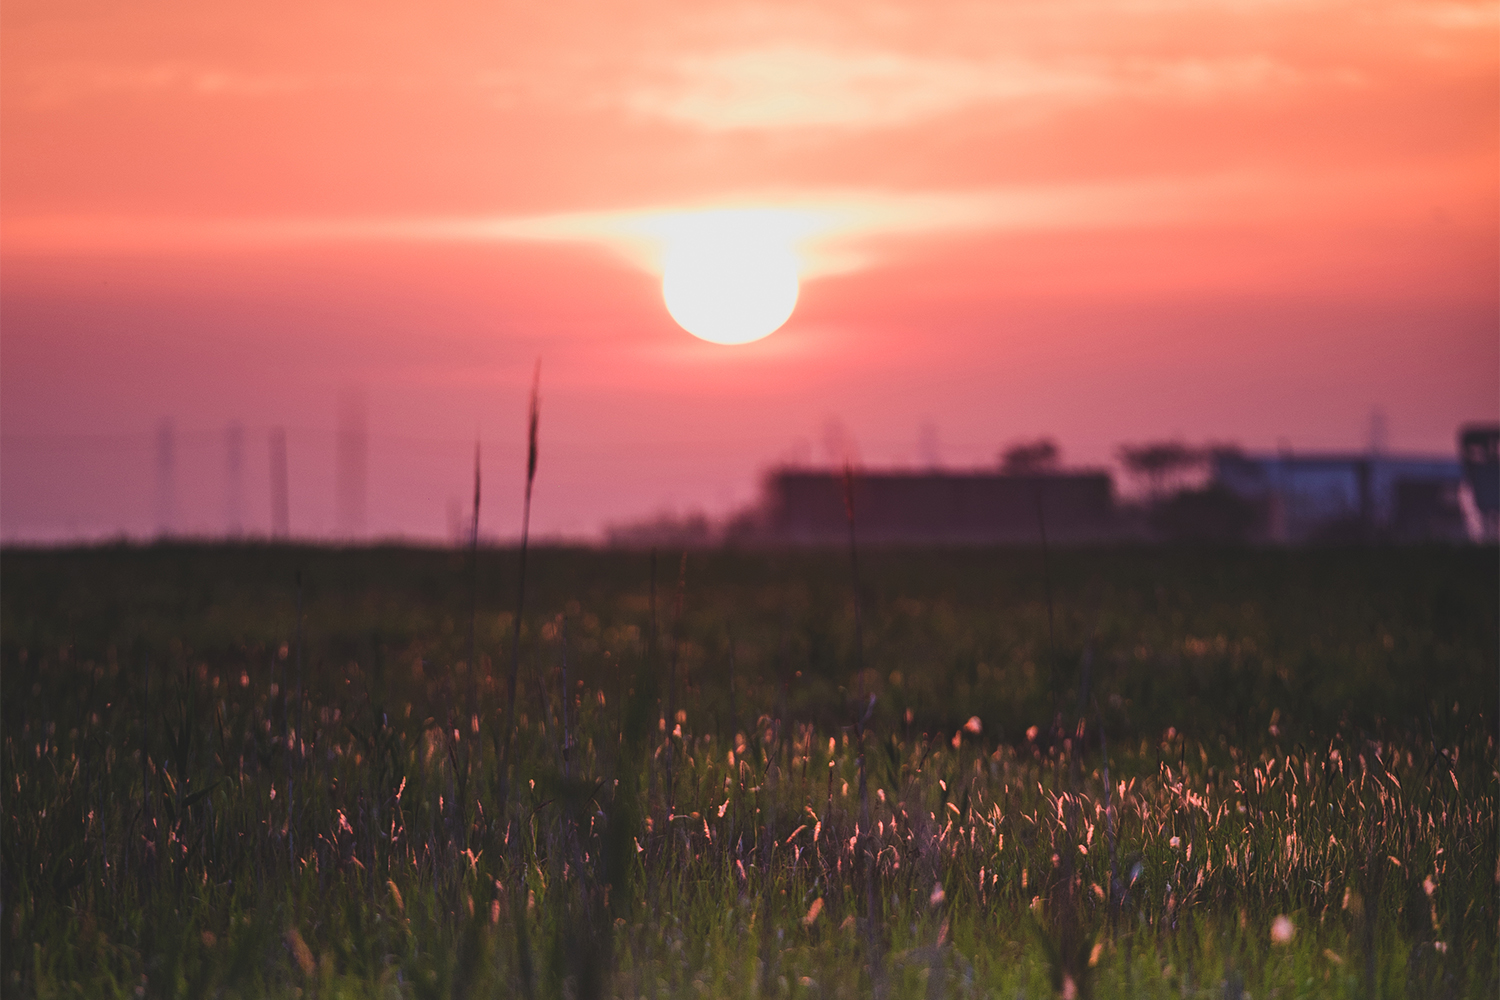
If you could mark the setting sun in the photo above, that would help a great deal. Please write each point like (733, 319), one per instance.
(729, 277)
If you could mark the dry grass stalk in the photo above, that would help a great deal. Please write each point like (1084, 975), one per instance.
(508, 735)
(671, 720)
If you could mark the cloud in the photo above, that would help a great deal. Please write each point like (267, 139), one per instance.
(833, 230)
(1458, 16)
(795, 86)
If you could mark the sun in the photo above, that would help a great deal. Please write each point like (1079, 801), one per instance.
(729, 277)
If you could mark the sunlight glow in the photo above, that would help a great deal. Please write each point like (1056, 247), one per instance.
(729, 277)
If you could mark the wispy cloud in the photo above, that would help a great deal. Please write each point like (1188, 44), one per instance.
(793, 86)
(832, 230)
(1457, 15)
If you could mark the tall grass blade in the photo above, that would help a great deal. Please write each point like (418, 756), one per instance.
(670, 779)
(503, 762)
(294, 756)
(462, 751)
(508, 736)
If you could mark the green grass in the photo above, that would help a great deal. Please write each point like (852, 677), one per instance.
(1308, 734)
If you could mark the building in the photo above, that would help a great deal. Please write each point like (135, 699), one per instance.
(803, 506)
(1343, 497)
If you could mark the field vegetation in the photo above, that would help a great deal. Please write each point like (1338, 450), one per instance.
(240, 771)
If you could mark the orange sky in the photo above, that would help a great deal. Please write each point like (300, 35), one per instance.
(1251, 221)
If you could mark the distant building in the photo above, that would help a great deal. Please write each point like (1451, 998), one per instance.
(803, 506)
(1342, 497)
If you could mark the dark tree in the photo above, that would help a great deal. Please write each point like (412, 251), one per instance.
(1030, 458)
(1161, 462)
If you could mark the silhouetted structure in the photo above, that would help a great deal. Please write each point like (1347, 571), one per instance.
(929, 449)
(281, 522)
(234, 479)
(1333, 497)
(166, 477)
(957, 508)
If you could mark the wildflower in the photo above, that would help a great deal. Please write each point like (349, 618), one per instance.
(1282, 930)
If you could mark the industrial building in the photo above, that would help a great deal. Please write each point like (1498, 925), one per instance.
(806, 506)
(1348, 497)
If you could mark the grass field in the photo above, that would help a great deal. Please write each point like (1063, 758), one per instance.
(1107, 773)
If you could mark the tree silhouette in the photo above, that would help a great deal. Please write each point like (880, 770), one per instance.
(1161, 462)
(1030, 458)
